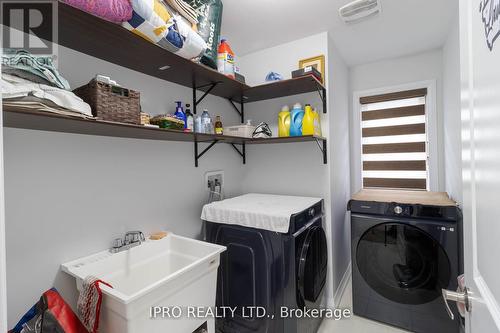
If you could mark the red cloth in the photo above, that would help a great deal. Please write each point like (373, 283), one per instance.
(66, 318)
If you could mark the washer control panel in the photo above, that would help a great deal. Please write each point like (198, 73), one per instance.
(400, 210)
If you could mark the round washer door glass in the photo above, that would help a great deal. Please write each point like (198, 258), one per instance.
(312, 266)
(403, 263)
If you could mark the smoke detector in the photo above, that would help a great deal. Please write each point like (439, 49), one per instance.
(359, 10)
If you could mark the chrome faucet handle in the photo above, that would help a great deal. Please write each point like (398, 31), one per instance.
(117, 243)
(134, 237)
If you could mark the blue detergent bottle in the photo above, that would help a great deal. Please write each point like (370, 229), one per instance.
(179, 113)
(296, 116)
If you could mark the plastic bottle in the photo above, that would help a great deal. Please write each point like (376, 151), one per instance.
(218, 126)
(225, 59)
(189, 119)
(284, 122)
(308, 121)
(317, 123)
(296, 116)
(206, 122)
(179, 113)
(198, 126)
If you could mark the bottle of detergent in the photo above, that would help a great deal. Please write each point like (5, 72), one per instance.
(179, 113)
(284, 122)
(308, 121)
(225, 59)
(296, 116)
(317, 123)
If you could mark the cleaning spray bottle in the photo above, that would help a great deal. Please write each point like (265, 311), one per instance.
(284, 122)
(296, 116)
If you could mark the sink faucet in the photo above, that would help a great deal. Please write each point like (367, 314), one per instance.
(131, 239)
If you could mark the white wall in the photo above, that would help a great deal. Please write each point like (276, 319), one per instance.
(298, 169)
(451, 114)
(393, 72)
(340, 184)
(3, 274)
(70, 195)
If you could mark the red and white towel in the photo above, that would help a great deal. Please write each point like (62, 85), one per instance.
(89, 303)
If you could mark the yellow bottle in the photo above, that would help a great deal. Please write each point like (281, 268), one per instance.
(284, 122)
(308, 121)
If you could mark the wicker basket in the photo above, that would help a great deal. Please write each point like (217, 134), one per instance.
(110, 102)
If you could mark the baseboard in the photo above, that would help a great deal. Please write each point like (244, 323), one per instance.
(342, 286)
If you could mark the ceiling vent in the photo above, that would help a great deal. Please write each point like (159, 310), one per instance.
(359, 10)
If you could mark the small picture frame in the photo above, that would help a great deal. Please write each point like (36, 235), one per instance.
(317, 62)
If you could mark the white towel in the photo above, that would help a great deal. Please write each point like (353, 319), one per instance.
(261, 211)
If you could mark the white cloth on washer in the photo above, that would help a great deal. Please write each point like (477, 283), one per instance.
(261, 211)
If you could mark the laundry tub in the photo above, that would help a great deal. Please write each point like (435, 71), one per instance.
(173, 274)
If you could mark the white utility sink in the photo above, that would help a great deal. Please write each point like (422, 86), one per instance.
(172, 272)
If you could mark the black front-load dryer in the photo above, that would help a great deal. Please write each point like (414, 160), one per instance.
(402, 257)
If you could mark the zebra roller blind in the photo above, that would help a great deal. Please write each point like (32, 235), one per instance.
(394, 140)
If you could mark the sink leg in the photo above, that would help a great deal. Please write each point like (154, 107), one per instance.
(211, 325)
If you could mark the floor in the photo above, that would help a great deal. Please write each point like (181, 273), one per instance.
(354, 324)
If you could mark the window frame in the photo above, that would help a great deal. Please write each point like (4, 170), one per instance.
(430, 124)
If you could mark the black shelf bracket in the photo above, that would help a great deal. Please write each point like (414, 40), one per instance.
(322, 95)
(241, 110)
(242, 152)
(197, 100)
(198, 156)
(322, 147)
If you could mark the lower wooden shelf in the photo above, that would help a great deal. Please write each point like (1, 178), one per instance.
(46, 121)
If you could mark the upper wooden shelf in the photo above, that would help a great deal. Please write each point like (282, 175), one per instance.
(93, 36)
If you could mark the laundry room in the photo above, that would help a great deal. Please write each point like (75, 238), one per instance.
(237, 166)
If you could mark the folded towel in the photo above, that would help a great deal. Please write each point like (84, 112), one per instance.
(16, 89)
(89, 302)
(35, 68)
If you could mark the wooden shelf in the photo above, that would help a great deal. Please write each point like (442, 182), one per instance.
(45, 121)
(93, 36)
(113, 43)
(300, 85)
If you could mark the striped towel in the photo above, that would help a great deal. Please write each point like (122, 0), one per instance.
(89, 303)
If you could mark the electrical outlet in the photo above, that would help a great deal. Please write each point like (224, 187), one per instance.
(214, 176)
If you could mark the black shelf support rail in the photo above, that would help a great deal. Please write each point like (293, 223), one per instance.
(241, 110)
(197, 100)
(322, 95)
(242, 152)
(198, 156)
(322, 147)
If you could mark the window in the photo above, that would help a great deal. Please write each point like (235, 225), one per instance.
(394, 140)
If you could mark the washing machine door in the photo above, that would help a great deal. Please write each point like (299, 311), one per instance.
(403, 263)
(312, 265)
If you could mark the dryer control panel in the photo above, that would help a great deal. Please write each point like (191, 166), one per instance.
(447, 213)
